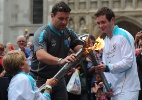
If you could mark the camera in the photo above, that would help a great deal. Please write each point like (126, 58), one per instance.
(31, 34)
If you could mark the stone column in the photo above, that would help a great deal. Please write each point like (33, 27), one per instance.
(110, 4)
(123, 3)
(134, 3)
(99, 3)
(49, 5)
(76, 18)
(45, 11)
(1, 20)
(87, 4)
(6, 22)
(76, 5)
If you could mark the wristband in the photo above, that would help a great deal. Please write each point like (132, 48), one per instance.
(59, 61)
(48, 87)
(107, 68)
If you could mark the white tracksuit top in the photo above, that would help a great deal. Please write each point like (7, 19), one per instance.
(119, 55)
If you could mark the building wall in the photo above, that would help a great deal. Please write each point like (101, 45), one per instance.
(128, 12)
(16, 16)
(1, 20)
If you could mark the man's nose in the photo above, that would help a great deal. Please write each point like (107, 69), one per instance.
(100, 25)
(65, 21)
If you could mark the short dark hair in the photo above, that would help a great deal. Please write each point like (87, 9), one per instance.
(105, 11)
(60, 7)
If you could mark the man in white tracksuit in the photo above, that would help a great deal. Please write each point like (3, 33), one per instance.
(119, 58)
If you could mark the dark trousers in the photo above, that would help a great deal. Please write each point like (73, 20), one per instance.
(140, 92)
(1, 69)
(4, 83)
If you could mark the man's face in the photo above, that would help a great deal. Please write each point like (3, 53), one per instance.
(21, 42)
(105, 25)
(60, 20)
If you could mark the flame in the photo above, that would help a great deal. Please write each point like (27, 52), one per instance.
(97, 46)
(100, 43)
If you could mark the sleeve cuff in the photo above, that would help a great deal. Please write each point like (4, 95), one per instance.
(47, 95)
(107, 68)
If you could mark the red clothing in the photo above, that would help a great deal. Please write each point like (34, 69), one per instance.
(136, 52)
(0, 61)
(1, 68)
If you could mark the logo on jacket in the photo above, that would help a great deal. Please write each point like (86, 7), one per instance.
(67, 42)
(53, 43)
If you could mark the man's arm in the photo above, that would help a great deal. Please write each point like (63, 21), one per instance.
(77, 48)
(47, 58)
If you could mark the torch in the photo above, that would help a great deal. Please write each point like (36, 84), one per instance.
(79, 57)
(95, 63)
(90, 51)
(68, 66)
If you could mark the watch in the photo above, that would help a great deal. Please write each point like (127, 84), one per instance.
(48, 87)
(59, 61)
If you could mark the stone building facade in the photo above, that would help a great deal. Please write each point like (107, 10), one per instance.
(18, 16)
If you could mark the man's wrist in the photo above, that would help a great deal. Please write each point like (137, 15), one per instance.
(59, 61)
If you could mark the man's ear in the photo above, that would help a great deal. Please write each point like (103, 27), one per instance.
(112, 19)
(52, 15)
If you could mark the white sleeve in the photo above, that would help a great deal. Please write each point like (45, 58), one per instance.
(127, 58)
(23, 91)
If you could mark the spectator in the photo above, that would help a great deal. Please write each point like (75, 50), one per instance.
(138, 38)
(1, 56)
(21, 42)
(9, 47)
(139, 60)
(98, 88)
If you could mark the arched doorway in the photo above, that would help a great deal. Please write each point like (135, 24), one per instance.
(128, 23)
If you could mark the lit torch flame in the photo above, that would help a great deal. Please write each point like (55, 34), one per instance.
(100, 44)
(97, 46)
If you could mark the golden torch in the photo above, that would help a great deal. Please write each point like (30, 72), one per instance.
(89, 51)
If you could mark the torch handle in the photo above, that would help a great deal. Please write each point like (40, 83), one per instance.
(95, 63)
(107, 86)
(68, 66)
